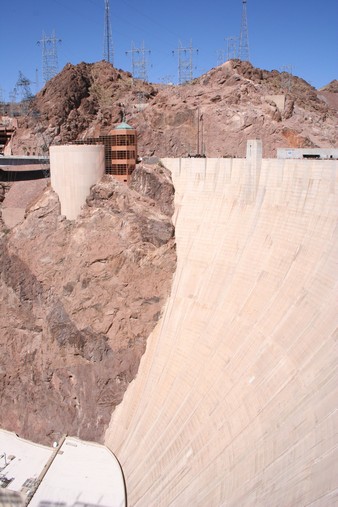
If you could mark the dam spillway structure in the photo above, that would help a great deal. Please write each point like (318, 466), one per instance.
(235, 400)
(74, 169)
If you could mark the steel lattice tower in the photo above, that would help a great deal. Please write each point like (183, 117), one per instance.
(243, 48)
(108, 50)
(23, 85)
(139, 61)
(232, 45)
(286, 77)
(185, 63)
(49, 56)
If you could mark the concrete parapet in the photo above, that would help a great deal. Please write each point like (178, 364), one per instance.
(74, 169)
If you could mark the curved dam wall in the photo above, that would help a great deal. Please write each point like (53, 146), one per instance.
(235, 400)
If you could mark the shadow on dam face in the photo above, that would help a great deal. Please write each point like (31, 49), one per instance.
(234, 402)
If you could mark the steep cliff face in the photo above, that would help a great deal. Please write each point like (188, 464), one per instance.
(214, 114)
(78, 300)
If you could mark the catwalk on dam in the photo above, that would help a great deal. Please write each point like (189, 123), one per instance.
(235, 400)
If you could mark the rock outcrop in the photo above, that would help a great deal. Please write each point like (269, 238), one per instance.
(214, 114)
(78, 301)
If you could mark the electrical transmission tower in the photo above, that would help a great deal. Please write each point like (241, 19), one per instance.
(139, 61)
(243, 49)
(232, 47)
(23, 88)
(185, 62)
(220, 56)
(108, 49)
(50, 64)
(286, 77)
(231, 51)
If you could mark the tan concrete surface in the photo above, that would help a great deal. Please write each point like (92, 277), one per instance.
(75, 473)
(82, 473)
(235, 401)
(74, 169)
(20, 459)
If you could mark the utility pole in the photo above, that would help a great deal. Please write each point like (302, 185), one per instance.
(139, 61)
(49, 55)
(108, 50)
(200, 133)
(244, 37)
(185, 62)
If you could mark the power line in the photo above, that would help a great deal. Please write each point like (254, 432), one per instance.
(185, 62)
(108, 50)
(243, 51)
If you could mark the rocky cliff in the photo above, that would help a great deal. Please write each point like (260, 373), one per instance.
(78, 300)
(214, 114)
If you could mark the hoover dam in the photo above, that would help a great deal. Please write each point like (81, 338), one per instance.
(235, 400)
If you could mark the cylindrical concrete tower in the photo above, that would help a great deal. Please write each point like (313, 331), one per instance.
(74, 169)
(123, 151)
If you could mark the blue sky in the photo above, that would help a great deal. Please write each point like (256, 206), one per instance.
(297, 33)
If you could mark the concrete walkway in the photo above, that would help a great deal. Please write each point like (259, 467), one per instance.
(75, 472)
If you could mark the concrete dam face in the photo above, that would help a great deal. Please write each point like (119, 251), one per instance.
(235, 400)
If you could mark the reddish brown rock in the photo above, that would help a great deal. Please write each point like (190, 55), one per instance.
(78, 301)
(215, 114)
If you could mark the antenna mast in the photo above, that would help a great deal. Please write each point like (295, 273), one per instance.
(244, 37)
(185, 62)
(49, 56)
(108, 50)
